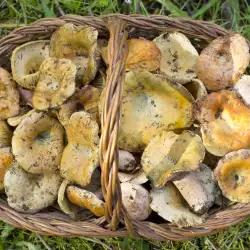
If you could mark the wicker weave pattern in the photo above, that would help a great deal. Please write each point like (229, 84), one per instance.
(55, 223)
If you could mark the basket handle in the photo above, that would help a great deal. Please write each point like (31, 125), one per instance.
(109, 154)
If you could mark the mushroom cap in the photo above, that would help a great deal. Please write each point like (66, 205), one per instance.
(223, 61)
(9, 96)
(127, 162)
(80, 156)
(6, 159)
(65, 205)
(37, 143)
(142, 54)
(56, 83)
(146, 97)
(170, 205)
(87, 199)
(16, 120)
(26, 96)
(89, 97)
(178, 58)
(5, 134)
(233, 175)
(26, 60)
(196, 88)
(224, 122)
(136, 200)
(79, 44)
(168, 156)
(134, 178)
(30, 193)
(200, 195)
(242, 88)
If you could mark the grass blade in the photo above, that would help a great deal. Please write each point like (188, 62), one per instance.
(204, 8)
(172, 8)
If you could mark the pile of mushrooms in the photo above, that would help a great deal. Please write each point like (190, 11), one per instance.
(184, 139)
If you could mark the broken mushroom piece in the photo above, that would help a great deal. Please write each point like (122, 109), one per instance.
(242, 88)
(169, 156)
(223, 61)
(30, 193)
(136, 200)
(16, 120)
(170, 205)
(37, 143)
(146, 97)
(89, 97)
(224, 122)
(80, 156)
(86, 199)
(178, 57)
(9, 95)
(198, 189)
(6, 159)
(56, 83)
(142, 54)
(26, 60)
(5, 134)
(134, 178)
(233, 175)
(79, 44)
(196, 88)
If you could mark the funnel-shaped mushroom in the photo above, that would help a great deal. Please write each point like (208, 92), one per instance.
(5, 134)
(233, 175)
(80, 156)
(16, 120)
(6, 159)
(170, 155)
(196, 88)
(56, 83)
(242, 87)
(87, 199)
(37, 143)
(223, 61)
(79, 44)
(142, 54)
(198, 189)
(26, 60)
(170, 205)
(89, 97)
(225, 122)
(146, 97)
(30, 193)
(136, 200)
(9, 96)
(178, 58)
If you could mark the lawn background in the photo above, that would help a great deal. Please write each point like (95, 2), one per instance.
(231, 14)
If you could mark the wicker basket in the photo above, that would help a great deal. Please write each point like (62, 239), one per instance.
(118, 28)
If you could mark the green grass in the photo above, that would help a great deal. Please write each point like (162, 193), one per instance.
(232, 14)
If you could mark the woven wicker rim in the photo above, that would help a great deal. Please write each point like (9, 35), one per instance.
(117, 27)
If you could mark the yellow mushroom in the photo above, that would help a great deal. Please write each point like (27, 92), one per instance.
(80, 156)
(169, 155)
(37, 143)
(134, 178)
(223, 61)
(6, 159)
(79, 44)
(178, 58)
(5, 134)
(233, 175)
(170, 205)
(26, 60)
(9, 96)
(151, 104)
(142, 54)
(15, 121)
(56, 83)
(86, 199)
(30, 193)
(224, 122)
